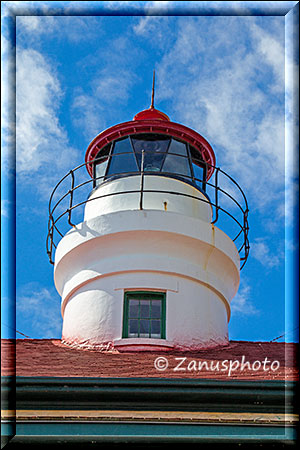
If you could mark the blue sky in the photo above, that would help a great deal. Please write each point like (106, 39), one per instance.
(77, 72)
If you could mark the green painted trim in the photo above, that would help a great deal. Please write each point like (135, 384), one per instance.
(163, 317)
(153, 394)
(125, 317)
(147, 295)
(149, 432)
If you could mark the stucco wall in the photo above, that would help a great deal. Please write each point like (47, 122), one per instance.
(195, 263)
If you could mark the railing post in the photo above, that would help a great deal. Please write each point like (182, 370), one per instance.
(247, 246)
(51, 239)
(142, 180)
(71, 199)
(216, 196)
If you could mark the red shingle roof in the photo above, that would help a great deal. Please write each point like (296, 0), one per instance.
(50, 358)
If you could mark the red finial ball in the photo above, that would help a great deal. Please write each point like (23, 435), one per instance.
(151, 114)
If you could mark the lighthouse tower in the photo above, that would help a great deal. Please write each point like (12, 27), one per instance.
(146, 267)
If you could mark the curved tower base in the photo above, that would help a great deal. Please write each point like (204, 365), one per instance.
(193, 265)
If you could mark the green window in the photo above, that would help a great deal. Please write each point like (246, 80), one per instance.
(144, 315)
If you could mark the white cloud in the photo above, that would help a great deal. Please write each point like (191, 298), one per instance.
(38, 93)
(31, 23)
(88, 115)
(242, 303)
(233, 95)
(261, 252)
(145, 25)
(7, 103)
(42, 143)
(156, 28)
(113, 88)
(71, 28)
(273, 53)
(39, 309)
(94, 108)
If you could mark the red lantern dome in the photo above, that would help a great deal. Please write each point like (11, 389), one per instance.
(151, 114)
(152, 121)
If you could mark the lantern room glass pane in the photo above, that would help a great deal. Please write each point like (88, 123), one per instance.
(199, 168)
(198, 173)
(122, 146)
(101, 162)
(196, 156)
(150, 143)
(154, 148)
(122, 159)
(100, 171)
(177, 147)
(177, 165)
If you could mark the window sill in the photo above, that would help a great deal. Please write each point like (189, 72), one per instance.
(142, 344)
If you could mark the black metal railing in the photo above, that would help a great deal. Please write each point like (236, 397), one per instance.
(66, 203)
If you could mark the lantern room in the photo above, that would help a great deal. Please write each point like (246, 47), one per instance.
(146, 145)
(152, 146)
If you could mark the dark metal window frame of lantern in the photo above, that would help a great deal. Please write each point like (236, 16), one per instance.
(148, 296)
(55, 217)
(107, 154)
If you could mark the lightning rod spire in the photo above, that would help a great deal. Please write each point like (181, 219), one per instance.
(153, 90)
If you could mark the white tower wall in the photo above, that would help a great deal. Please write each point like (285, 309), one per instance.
(169, 248)
(164, 201)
